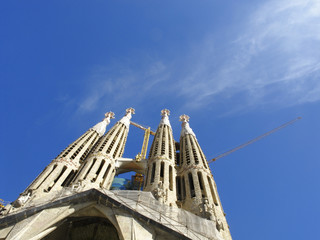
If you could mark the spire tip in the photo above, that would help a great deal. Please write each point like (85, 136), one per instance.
(165, 112)
(109, 115)
(184, 118)
(130, 110)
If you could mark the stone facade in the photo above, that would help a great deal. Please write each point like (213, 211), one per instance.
(62, 169)
(70, 198)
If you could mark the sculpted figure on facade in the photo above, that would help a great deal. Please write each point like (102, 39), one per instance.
(160, 193)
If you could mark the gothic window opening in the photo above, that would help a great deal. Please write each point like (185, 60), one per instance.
(213, 192)
(181, 151)
(194, 151)
(67, 181)
(163, 150)
(116, 151)
(105, 176)
(201, 183)
(98, 171)
(162, 171)
(170, 146)
(81, 146)
(146, 179)
(53, 168)
(93, 162)
(187, 156)
(170, 178)
(151, 149)
(183, 188)
(153, 172)
(57, 178)
(156, 147)
(122, 148)
(177, 158)
(178, 186)
(191, 185)
(83, 156)
(110, 146)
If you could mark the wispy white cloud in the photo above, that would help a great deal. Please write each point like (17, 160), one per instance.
(119, 86)
(275, 55)
(273, 58)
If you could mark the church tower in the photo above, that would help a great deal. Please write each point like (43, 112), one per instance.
(71, 199)
(99, 169)
(161, 172)
(197, 190)
(63, 168)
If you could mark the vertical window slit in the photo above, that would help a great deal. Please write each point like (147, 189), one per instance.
(153, 171)
(93, 162)
(57, 178)
(170, 178)
(162, 171)
(178, 186)
(191, 185)
(67, 181)
(105, 176)
(183, 188)
(213, 192)
(54, 167)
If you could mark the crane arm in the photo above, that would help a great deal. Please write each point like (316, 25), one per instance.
(141, 127)
(254, 140)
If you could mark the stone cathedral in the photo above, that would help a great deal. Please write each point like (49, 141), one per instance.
(71, 198)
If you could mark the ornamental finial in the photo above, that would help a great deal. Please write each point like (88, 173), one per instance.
(109, 115)
(165, 112)
(126, 119)
(130, 110)
(100, 127)
(186, 129)
(184, 118)
(165, 117)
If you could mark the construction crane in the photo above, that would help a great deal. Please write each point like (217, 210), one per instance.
(142, 127)
(2, 203)
(138, 178)
(147, 132)
(254, 140)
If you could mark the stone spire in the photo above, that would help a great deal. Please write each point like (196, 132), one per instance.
(99, 168)
(196, 188)
(100, 127)
(62, 169)
(161, 173)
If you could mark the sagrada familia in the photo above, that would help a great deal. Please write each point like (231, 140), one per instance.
(71, 198)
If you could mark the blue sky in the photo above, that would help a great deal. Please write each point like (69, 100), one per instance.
(238, 69)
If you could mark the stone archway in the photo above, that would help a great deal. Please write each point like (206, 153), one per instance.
(84, 228)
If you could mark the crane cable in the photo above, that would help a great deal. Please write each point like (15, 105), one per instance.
(254, 140)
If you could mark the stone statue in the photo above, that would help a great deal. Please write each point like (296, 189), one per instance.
(159, 192)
